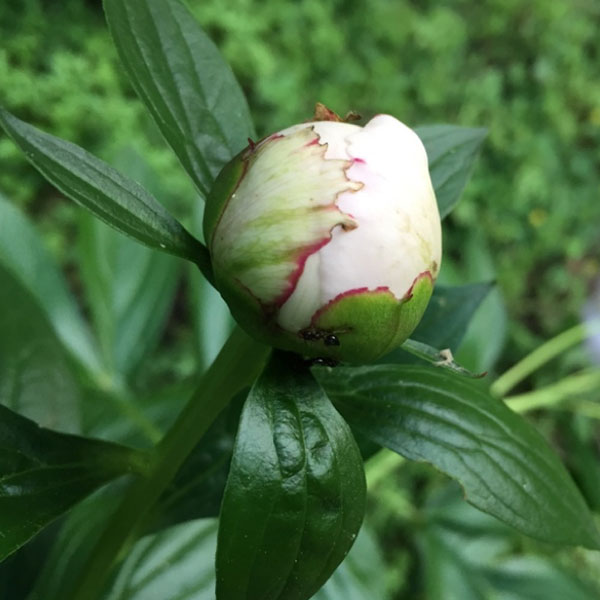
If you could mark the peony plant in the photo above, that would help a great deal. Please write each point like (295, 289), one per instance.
(324, 239)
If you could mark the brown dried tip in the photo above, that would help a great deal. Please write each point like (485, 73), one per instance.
(322, 113)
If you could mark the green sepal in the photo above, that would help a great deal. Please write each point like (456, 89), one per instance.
(370, 324)
(367, 325)
(224, 186)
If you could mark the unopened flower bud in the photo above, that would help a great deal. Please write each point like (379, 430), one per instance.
(325, 237)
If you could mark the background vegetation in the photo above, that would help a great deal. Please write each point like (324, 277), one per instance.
(530, 216)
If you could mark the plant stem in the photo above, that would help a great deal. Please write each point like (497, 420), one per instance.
(380, 466)
(542, 355)
(546, 397)
(236, 366)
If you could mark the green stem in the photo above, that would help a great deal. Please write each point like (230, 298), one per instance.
(236, 366)
(130, 410)
(380, 466)
(587, 408)
(574, 385)
(542, 355)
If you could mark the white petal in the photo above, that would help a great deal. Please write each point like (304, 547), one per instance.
(398, 234)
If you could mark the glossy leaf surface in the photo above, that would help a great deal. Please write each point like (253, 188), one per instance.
(504, 465)
(44, 473)
(295, 495)
(184, 82)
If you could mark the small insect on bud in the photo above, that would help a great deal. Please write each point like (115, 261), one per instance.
(325, 237)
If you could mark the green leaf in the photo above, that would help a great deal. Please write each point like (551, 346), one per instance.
(44, 473)
(448, 314)
(24, 255)
(456, 543)
(466, 554)
(197, 490)
(446, 572)
(504, 465)
(178, 563)
(108, 194)
(361, 575)
(186, 85)
(212, 320)
(442, 359)
(130, 291)
(295, 495)
(175, 563)
(35, 377)
(79, 532)
(483, 343)
(452, 151)
(533, 578)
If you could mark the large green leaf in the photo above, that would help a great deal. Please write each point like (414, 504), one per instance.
(468, 555)
(452, 151)
(130, 291)
(44, 473)
(295, 495)
(484, 340)
(104, 191)
(504, 465)
(186, 85)
(178, 563)
(534, 578)
(24, 255)
(175, 563)
(79, 532)
(35, 377)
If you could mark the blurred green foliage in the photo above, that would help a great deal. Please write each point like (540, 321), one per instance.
(530, 72)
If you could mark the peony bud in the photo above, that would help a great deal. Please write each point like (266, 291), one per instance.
(325, 237)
